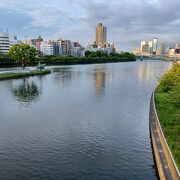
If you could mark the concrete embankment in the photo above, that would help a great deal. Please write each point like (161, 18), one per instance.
(167, 168)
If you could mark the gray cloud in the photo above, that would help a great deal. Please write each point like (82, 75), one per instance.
(128, 21)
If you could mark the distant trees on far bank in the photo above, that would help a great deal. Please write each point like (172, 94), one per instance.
(128, 55)
(23, 54)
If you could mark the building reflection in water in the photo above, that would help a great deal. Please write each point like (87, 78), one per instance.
(63, 75)
(26, 91)
(146, 72)
(100, 78)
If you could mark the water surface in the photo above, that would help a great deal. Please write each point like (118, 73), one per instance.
(87, 122)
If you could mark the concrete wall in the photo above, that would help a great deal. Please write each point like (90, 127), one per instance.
(166, 165)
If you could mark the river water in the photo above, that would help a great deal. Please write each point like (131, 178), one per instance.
(85, 122)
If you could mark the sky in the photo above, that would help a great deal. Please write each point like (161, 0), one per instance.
(127, 21)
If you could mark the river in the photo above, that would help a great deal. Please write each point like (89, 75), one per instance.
(84, 122)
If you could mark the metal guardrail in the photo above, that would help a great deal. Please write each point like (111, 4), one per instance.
(172, 167)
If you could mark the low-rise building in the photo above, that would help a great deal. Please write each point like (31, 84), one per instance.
(137, 51)
(36, 43)
(77, 52)
(108, 48)
(171, 52)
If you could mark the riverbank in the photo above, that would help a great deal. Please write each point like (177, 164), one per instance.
(167, 98)
(63, 60)
(13, 75)
(165, 124)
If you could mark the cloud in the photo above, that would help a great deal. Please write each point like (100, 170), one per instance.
(128, 21)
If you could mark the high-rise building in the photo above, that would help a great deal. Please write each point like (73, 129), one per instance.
(150, 43)
(155, 45)
(4, 43)
(163, 47)
(177, 46)
(101, 34)
(142, 44)
(65, 46)
(146, 49)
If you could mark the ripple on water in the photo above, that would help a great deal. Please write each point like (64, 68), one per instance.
(81, 122)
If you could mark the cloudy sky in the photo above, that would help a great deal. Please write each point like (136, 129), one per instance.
(127, 21)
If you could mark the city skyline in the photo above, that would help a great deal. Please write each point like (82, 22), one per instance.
(76, 20)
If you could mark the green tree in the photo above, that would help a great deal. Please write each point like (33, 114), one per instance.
(87, 53)
(23, 53)
(4, 58)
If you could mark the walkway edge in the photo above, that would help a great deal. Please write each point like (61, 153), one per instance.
(165, 162)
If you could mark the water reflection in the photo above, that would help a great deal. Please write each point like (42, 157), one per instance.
(100, 78)
(62, 75)
(90, 122)
(27, 91)
(146, 72)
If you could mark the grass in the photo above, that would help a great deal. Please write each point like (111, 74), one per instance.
(6, 76)
(168, 109)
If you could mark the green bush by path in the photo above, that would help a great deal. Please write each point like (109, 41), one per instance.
(167, 99)
(5, 76)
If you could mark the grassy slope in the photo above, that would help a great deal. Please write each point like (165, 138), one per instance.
(5, 76)
(169, 116)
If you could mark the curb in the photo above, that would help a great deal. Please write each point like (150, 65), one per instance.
(167, 168)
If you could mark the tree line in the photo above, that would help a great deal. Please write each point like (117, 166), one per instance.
(26, 55)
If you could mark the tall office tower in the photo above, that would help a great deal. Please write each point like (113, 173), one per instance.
(145, 49)
(4, 43)
(150, 43)
(155, 45)
(101, 34)
(177, 46)
(163, 48)
(143, 43)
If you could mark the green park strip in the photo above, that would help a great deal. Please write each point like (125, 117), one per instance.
(5, 76)
(167, 99)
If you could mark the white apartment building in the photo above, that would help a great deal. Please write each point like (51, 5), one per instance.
(77, 52)
(108, 50)
(46, 49)
(4, 43)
